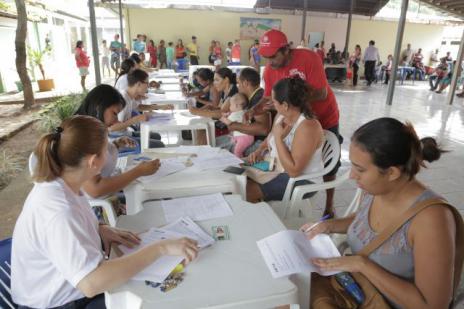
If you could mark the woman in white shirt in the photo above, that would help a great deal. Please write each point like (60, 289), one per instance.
(295, 142)
(105, 103)
(57, 255)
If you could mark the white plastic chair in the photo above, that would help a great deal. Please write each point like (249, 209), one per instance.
(330, 155)
(193, 68)
(111, 216)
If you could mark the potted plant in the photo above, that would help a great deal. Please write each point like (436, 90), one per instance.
(37, 57)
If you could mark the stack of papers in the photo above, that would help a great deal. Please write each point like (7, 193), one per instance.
(163, 266)
(161, 117)
(290, 252)
(167, 167)
(203, 207)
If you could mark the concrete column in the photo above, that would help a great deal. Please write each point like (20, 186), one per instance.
(303, 25)
(456, 72)
(348, 29)
(396, 56)
(121, 31)
(93, 35)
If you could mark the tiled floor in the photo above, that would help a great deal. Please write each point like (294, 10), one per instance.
(430, 116)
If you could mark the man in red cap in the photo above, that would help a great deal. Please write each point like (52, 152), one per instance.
(284, 62)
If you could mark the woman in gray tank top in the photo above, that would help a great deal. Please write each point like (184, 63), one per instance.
(414, 267)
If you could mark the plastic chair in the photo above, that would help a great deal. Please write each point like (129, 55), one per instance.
(110, 215)
(5, 278)
(330, 155)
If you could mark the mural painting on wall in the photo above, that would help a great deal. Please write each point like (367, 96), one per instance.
(252, 28)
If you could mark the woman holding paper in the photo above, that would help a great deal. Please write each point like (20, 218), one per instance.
(57, 258)
(414, 266)
(294, 144)
(105, 103)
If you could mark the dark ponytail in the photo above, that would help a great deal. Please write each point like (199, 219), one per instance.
(295, 91)
(126, 66)
(227, 73)
(393, 143)
(67, 145)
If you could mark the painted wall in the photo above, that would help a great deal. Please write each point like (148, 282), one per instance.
(169, 24)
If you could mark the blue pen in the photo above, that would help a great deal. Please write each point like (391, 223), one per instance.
(350, 286)
(315, 224)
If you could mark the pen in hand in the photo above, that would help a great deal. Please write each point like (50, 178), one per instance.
(317, 223)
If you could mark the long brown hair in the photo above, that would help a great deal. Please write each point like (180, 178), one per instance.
(67, 145)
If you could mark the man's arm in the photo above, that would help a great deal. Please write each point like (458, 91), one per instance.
(261, 126)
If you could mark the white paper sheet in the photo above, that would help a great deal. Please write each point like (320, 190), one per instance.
(163, 266)
(167, 167)
(198, 208)
(185, 226)
(290, 252)
(220, 160)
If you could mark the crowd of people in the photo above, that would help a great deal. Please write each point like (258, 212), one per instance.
(281, 124)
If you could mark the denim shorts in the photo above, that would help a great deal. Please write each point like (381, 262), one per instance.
(274, 190)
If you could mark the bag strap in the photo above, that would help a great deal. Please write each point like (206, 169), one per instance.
(397, 223)
(411, 212)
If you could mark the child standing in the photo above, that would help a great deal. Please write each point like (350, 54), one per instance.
(170, 54)
(162, 54)
(242, 141)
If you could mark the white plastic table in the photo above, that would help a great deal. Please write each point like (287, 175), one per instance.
(229, 274)
(182, 120)
(188, 182)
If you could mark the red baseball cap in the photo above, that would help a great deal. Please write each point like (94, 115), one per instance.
(270, 42)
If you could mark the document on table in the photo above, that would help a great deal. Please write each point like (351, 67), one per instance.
(185, 226)
(167, 167)
(222, 159)
(161, 117)
(198, 208)
(163, 266)
(290, 252)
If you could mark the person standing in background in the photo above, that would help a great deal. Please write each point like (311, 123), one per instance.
(255, 58)
(162, 55)
(82, 62)
(105, 58)
(151, 49)
(193, 50)
(218, 55)
(170, 54)
(229, 53)
(354, 61)
(236, 52)
(371, 56)
(139, 44)
(115, 47)
(407, 53)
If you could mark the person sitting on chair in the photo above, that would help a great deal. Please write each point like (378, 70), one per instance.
(59, 248)
(414, 266)
(294, 144)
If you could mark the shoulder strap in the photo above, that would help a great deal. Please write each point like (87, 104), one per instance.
(397, 223)
(411, 212)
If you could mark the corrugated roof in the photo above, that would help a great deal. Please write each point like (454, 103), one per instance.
(361, 7)
(453, 7)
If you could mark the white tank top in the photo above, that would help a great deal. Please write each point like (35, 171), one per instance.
(314, 165)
